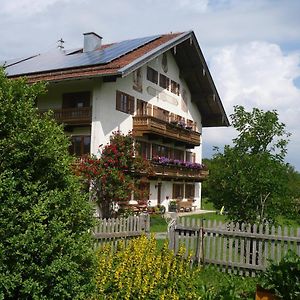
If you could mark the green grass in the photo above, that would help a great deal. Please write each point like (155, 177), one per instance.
(158, 224)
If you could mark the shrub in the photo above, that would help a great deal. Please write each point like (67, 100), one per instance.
(140, 271)
(284, 278)
(45, 246)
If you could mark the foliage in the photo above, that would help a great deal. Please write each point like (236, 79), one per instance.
(217, 285)
(283, 278)
(113, 176)
(45, 246)
(140, 271)
(250, 177)
(294, 194)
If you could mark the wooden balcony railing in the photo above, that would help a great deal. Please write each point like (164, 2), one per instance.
(177, 172)
(81, 115)
(173, 130)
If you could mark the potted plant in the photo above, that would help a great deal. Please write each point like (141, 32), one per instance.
(172, 206)
(282, 280)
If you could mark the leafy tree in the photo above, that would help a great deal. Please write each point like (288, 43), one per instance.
(45, 246)
(250, 177)
(114, 175)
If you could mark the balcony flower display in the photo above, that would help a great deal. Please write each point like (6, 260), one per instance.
(165, 161)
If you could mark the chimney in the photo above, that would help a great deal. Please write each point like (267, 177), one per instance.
(92, 41)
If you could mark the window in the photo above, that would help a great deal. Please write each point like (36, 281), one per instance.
(124, 103)
(175, 87)
(164, 81)
(190, 157)
(143, 192)
(80, 145)
(76, 100)
(178, 154)
(161, 151)
(143, 108)
(189, 191)
(178, 190)
(143, 149)
(152, 75)
(137, 80)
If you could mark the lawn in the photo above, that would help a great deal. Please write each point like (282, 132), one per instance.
(158, 224)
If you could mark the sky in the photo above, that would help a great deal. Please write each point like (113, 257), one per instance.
(252, 47)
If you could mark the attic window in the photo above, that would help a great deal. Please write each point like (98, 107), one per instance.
(152, 75)
(164, 81)
(175, 87)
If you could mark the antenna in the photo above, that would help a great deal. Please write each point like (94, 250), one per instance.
(60, 44)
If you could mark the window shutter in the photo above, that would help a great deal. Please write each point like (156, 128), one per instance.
(131, 105)
(118, 100)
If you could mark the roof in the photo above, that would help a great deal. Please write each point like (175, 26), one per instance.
(120, 59)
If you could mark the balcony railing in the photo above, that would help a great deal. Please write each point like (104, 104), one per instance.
(179, 173)
(78, 115)
(167, 128)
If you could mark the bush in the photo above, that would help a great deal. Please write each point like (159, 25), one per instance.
(140, 271)
(284, 278)
(45, 246)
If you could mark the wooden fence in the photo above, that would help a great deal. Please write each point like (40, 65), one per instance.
(239, 248)
(113, 230)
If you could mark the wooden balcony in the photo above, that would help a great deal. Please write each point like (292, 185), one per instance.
(73, 116)
(168, 172)
(150, 125)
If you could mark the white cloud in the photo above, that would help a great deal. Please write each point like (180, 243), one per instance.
(192, 5)
(26, 7)
(257, 74)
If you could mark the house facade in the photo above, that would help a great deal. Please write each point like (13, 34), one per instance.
(159, 88)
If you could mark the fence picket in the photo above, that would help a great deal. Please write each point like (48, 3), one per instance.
(273, 243)
(236, 247)
(298, 242)
(240, 248)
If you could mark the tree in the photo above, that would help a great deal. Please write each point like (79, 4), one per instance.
(250, 177)
(115, 175)
(45, 244)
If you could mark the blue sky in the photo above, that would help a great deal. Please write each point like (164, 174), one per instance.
(252, 46)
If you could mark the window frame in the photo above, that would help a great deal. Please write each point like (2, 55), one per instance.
(152, 75)
(178, 191)
(124, 102)
(82, 151)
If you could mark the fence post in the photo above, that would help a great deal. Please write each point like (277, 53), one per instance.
(171, 231)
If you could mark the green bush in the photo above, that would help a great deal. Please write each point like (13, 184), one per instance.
(217, 285)
(284, 278)
(140, 271)
(45, 246)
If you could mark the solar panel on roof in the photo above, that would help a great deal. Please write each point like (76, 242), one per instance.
(61, 60)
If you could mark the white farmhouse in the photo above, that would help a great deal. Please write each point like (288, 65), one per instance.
(158, 87)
